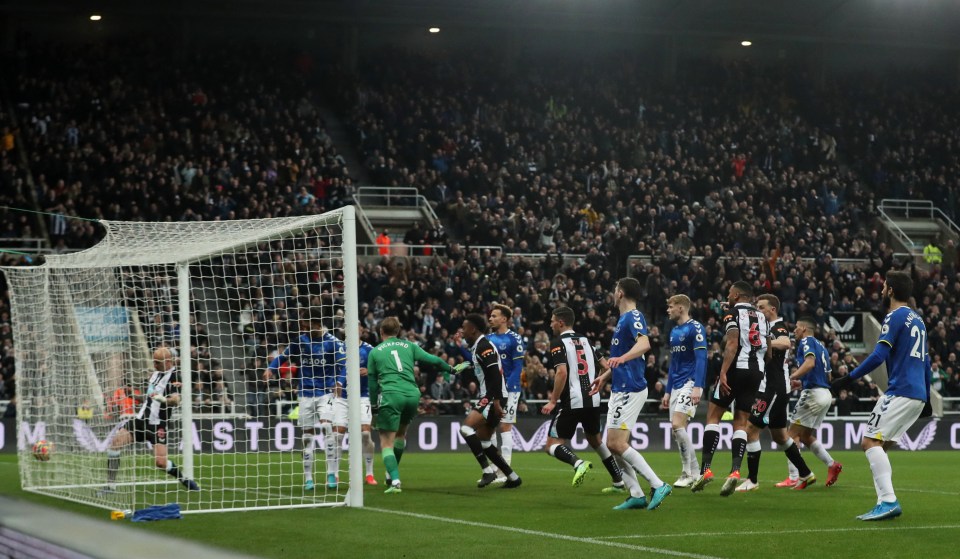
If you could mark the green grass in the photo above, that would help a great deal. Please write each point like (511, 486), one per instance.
(440, 488)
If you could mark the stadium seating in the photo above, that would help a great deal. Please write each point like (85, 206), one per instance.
(741, 173)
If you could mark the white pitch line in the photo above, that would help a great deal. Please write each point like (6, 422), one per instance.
(778, 532)
(906, 490)
(540, 534)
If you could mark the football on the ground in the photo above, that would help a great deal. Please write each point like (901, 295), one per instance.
(42, 450)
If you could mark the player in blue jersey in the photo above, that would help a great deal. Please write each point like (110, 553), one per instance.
(510, 346)
(813, 375)
(319, 357)
(626, 370)
(341, 409)
(903, 348)
(685, 380)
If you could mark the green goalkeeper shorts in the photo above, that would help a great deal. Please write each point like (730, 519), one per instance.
(396, 410)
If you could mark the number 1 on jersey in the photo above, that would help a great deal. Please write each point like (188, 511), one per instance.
(396, 357)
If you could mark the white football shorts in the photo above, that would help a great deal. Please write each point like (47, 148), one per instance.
(681, 400)
(892, 416)
(624, 409)
(510, 412)
(812, 407)
(340, 411)
(317, 409)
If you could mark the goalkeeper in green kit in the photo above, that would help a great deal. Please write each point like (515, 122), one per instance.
(394, 392)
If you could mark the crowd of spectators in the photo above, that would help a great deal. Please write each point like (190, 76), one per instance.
(16, 227)
(736, 173)
(742, 172)
(131, 131)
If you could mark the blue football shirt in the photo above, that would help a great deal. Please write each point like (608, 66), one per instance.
(510, 347)
(686, 340)
(318, 363)
(819, 375)
(903, 330)
(629, 377)
(365, 349)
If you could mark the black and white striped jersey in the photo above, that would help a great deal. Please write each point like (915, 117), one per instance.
(574, 351)
(777, 377)
(491, 383)
(161, 382)
(752, 338)
(778, 373)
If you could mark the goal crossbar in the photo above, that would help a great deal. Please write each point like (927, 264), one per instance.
(173, 243)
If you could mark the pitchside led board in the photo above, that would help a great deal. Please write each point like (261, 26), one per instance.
(442, 434)
(104, 328)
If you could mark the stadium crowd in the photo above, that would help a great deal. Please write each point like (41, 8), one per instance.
(740, 173)
(745, 173)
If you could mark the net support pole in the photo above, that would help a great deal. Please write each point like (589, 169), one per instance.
(186, 376)
(352, 332)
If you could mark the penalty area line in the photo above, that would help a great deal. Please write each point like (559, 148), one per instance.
(778, 532)
(907, 490)
(538, 533)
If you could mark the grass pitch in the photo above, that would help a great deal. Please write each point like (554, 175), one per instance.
(441, 513)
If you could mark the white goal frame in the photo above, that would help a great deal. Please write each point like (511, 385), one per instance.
(157, 244)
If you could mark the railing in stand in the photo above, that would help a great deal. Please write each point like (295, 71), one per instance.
(30, 245)
(400, 196)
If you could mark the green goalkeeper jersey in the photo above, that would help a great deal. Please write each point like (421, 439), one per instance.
(390, 368)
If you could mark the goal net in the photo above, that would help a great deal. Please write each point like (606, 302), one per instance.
(226, 297)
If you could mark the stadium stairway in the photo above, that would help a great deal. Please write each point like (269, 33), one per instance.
(344, 144)
(913, 224)
(378, 208)
(225, 344)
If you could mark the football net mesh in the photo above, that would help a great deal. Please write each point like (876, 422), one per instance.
(86, 326)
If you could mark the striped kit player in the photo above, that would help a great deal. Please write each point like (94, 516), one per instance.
(770, 406)
(571, 401)
(150, 424)
(480, 426)
(745, 346)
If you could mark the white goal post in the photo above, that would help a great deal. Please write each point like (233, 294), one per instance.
(227, 297)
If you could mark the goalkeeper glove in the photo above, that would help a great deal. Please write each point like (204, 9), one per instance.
(461, 367)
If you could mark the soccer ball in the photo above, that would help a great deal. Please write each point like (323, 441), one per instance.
(42, 450)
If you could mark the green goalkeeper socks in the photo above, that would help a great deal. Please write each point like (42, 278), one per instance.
(391, 463)
(398, 446)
